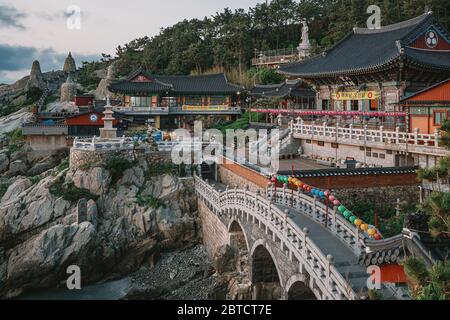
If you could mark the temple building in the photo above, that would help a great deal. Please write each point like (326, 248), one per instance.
(371, 70)
(291, 94)
(429, 108)
(176, 101)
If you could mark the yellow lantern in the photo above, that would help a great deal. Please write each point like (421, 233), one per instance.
(372, 232)
(364, 227)
(290, 180)
(358, 222)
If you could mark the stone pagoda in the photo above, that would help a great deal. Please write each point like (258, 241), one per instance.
(108, 131)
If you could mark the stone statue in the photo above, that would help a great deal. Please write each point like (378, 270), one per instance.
(304, 48)
(305, 33)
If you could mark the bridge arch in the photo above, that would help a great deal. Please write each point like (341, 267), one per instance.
(266, 275)
(297, 288)
(238, 237)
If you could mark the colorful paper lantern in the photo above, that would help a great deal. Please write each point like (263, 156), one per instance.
(332, 198)
(364, 227)
(336, 202)
(377, 237)
(371, 232)
(342, 209)
(358, 222)
(352, 219)
(347, 214)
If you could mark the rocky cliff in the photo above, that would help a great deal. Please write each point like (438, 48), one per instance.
(129, 219)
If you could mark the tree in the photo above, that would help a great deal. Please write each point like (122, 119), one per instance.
(428, 284)
(445, 134)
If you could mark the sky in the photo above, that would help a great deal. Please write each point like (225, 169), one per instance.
(46, 30)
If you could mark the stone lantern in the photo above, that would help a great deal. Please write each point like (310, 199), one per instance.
(108, 131)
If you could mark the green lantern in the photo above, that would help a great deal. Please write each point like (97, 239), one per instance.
(342, 209)
(347, 214)
(352, 219)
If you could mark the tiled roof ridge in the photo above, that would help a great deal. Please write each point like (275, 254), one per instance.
(396, 26)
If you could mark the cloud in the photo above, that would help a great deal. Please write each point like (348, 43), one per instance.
(19, 58)
(60, 15)
(9, 17)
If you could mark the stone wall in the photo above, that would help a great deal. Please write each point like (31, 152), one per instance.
(382, 197)
(233, 175)
(82, 157)
(47, 143)
(215, 234)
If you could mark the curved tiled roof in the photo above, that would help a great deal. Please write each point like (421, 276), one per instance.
(203, 84)
(211, 83)
(365, 50)
(136, 87)
(282, 90)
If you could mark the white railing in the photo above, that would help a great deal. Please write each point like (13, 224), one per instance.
(364, 136)
(98, 144)
(277, 224)
(349, 234)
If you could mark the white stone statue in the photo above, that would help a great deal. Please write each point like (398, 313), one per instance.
(305, 46)
(305, 33)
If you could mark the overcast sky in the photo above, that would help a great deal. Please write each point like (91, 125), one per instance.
(37, 29)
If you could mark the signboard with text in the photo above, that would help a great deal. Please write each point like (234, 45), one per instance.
(357, 95)
(205, 108)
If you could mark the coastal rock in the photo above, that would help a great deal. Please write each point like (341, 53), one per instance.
(4, 162)
(96, 180)
(225, 259)
(42, 260)
(17, 167)
(15, 189)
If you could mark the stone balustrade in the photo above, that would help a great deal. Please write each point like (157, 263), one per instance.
(97, 144)
(317, 211)
(381, 138)
(277, 223)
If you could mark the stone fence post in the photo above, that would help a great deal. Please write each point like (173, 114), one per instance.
(397, 135)
(330, 261)
(436, 137)
(416, 136)
(381, 134)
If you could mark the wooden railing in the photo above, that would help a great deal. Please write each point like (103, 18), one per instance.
(276, 223)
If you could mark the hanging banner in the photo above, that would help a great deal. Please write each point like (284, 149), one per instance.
(361, 95)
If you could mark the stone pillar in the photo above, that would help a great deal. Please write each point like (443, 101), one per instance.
(158, 122)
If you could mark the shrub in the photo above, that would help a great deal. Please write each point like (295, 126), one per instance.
(149, 201)
(3, 188)
(63, 165)
(69, 191)
(116, 166)
(11, 148)
(161, 168)
(35, 179)
(33, 95)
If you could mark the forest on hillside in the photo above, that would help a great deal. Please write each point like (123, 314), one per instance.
(227, 40)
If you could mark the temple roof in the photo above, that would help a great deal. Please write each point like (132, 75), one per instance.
(290, 88)
(366, 50)
(203, 84)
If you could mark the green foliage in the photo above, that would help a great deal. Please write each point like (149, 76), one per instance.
(390, 223)
(160, 169)
(241, 123)
(63, 165)
(116, 166)
(428, 284)
(445, 134)
(3, 188)
(227, 39)
(35, 179)
(437, 205)
(69, 191)
(375, 295)
(33, 95)
(16, 135)
(149, 201)
(11, 148)
(266, 76)
(441, 171)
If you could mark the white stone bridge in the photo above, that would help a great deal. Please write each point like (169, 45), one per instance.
(297, 248)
